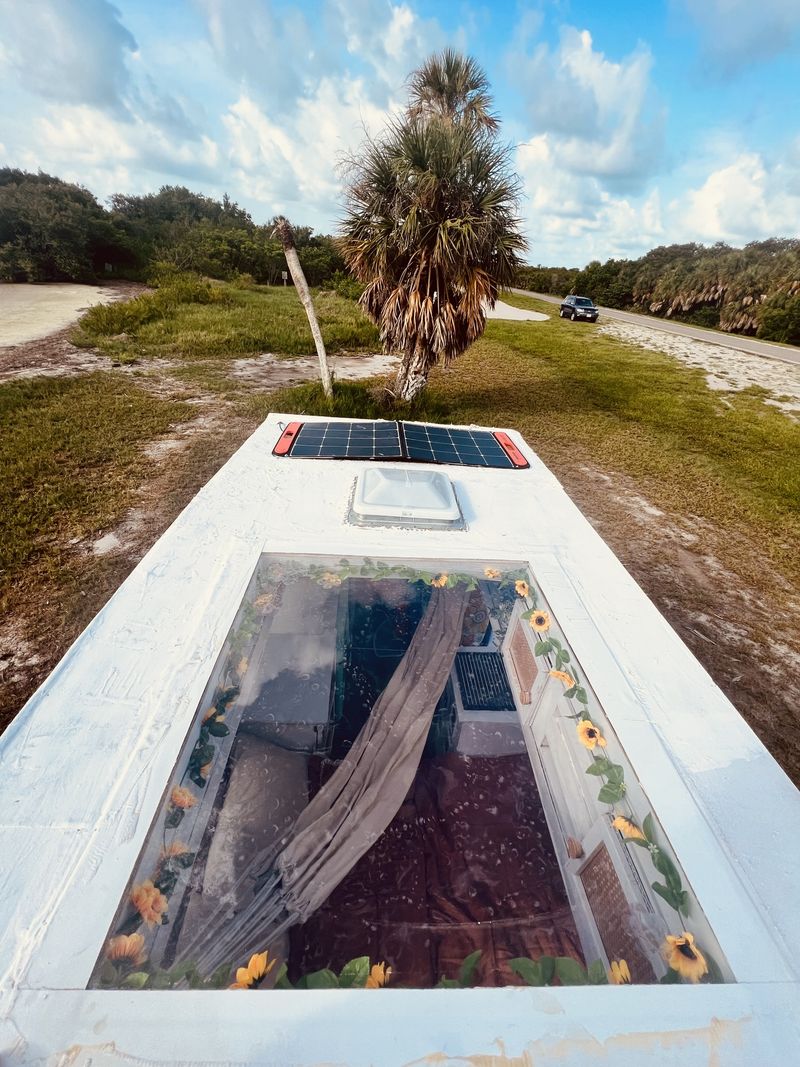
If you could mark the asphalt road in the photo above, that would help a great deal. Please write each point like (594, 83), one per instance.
(787, 353)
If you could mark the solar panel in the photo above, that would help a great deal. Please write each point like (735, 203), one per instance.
(348, 440)
(441, 444)
(412, 442)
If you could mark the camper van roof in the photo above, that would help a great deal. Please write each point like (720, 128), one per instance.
(85, 766)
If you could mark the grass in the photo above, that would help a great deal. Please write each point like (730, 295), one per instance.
(231, 324)
(70, 452)
(581, 397)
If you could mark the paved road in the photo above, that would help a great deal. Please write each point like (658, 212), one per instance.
(787, 353)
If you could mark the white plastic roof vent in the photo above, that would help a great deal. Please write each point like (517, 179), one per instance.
(386, 495)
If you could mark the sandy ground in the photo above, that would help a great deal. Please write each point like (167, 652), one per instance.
(502, 310)
(28, 312)
(726, 369)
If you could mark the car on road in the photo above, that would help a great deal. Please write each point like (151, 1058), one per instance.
(579, 307)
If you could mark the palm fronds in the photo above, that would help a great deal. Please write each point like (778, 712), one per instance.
(431, 225)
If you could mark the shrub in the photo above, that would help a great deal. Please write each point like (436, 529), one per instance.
(345, 285)
(779, 319)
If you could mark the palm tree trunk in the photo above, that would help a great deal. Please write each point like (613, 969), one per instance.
(286, 236)
(412, 377)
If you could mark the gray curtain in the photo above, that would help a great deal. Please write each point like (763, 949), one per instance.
(353, 808)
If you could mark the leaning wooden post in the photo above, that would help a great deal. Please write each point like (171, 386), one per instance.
(285, 234)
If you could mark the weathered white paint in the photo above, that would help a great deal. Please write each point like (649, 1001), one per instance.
(85, 763)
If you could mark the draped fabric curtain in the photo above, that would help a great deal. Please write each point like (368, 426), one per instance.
(353, 808)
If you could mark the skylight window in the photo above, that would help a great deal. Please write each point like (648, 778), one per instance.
(399, 776)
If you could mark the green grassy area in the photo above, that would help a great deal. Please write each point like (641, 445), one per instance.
(70, 453)
(232, 323)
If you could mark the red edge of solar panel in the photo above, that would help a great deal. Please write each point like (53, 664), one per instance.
(286, 439)
(510, 449)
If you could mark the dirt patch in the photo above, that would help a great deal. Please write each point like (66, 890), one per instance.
(746, 637)
(270, 372)
(54, 356)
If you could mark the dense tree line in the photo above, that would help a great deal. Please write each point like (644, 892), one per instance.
(755, 289)
(52, 230)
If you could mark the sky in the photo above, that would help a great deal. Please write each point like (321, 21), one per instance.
(630, 124)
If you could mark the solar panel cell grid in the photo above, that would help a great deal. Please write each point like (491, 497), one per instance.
(392, 440)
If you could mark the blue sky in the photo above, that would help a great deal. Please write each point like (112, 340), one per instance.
(631, 124)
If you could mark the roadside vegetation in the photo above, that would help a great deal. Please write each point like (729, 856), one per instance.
(753, 290)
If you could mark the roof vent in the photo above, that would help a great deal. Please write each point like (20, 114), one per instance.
(388, 496)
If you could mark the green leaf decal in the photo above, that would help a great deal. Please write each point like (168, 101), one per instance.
(354, 974)
(324, 979)
(466, 975)
(569, 971)
(528, 970)
(610, 794)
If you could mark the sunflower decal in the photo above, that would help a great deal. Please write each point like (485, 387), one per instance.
(492, 573)
(128, 949)
(589, 734)
(439, 582)
(379, 975)
(562, 676)
(628, 828)
(540, 621)
(149, 902)
(619, 974)
(682, 955)
(521, 587)
(251, 976)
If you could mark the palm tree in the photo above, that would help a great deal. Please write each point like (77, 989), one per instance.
(285, 234)
(454, 87)
(431, 223)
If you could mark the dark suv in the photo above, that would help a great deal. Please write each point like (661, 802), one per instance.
(579, 307)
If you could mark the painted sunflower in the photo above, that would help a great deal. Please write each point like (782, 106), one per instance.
(329, 580)
(619, 973)
(126, 949)
(205, 770)
(182, 798)
(171, 851)
(540, 621)
(251, 976)
(628, 828)
(264, 601)
(492, 573)
(149, 902)
(439, 582)
(521, 587)
(562, 676)
(682, 955)
(379, 975)
(589, 735)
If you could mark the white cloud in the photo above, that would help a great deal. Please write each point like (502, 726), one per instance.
(743, 201)
(279, 161)
(391, 38)
(571, 219)
(600, 116)
(738, 33)
(85, 144)
(68, 50)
